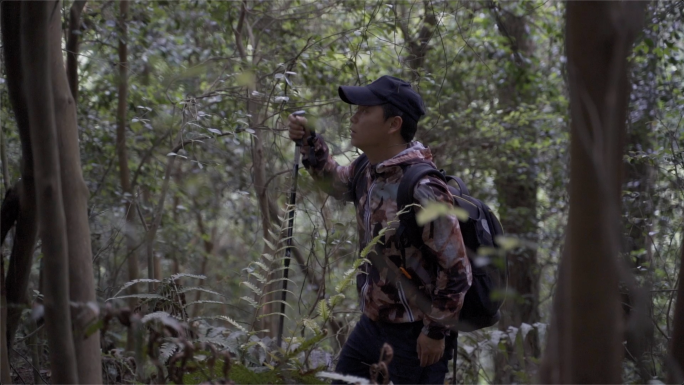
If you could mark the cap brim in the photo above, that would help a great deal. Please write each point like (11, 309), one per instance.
(360, 96)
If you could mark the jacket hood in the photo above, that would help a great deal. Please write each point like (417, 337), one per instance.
(415, 152)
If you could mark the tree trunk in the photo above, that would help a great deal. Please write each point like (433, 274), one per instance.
(35, 36)
(676, 364)
(19, 269)
(517, 192)
(73, 40)
(208, 250)
(599, 36)
(5, 376)
(75, 200)
(124, 173)
(9, 211)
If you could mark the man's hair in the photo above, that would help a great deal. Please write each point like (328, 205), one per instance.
(408, 126)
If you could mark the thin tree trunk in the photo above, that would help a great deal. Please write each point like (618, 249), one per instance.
(19, 269)
(124, 172)
(676, 365)
(10, 211)
(35, 35)
(72, 46)
(208, 250)
(599, 36)
(3, 159)
(5, 376)
(75, 199)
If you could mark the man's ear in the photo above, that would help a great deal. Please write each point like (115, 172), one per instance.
(395, 124)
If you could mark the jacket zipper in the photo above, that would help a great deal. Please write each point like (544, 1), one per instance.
(367, 216)
(404, 301)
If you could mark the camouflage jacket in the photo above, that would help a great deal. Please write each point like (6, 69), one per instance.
(440, 270)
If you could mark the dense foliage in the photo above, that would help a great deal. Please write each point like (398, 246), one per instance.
(209, 87)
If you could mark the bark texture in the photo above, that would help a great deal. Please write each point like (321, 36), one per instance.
(585, 349)
(19, 268)
(75, 201)
(72, 45)
(35, 36)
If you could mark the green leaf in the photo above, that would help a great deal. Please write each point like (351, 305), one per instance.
(434, 210)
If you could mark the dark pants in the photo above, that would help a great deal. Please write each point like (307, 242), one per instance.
(364, 345)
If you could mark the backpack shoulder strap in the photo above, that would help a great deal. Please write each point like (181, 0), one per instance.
(463, 189)
(359, 167)
(412, 175)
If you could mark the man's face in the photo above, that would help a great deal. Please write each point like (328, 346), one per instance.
(369, 129)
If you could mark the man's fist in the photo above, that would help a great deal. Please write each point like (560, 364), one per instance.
(297, 127)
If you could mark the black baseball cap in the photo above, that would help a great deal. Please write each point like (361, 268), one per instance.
(387, 89)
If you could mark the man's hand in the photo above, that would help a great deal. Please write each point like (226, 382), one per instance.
(297, 127)
(429, 350)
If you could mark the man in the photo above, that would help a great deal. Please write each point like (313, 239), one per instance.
(383, 127)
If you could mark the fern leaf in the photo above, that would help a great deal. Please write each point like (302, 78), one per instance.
(267, 257)
(280, 279)
(279, 291)
(269, 244)
(251, 301)
(263, 266)
(141, 296)
(311, 325)
(166, 350)
(258, 276)
(232, 322)
(272, 314)
(181, 275)
(159, 315)
(204, 301)
(133, 282)
(255, 289)
(197, 288)
(277, 301)
(336, 300)
(323, 310)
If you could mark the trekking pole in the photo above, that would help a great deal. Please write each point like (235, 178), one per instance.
(290, 228)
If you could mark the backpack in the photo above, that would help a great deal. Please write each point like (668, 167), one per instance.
(479, 309)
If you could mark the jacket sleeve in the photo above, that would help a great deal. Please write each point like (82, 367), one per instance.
(443, 240)
(332, 178)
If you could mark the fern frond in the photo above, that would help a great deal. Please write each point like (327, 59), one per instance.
(182, 275)
(133, 282)
(197, 288)
(258, 276)
(272, 314)
(141, 296)
(267, 257)
(280, 279)
(263, 266)
(336, 300)
(204, 301)
(277, 301)
(255, 289)
(157, 315)
(281, 268)
(278, 291)
(269, 244)
(232, 322)
(323, 310)
(166, 350)
(251, 301)
(312, 325)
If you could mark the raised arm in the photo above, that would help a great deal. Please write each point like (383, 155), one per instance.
(329, 175)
